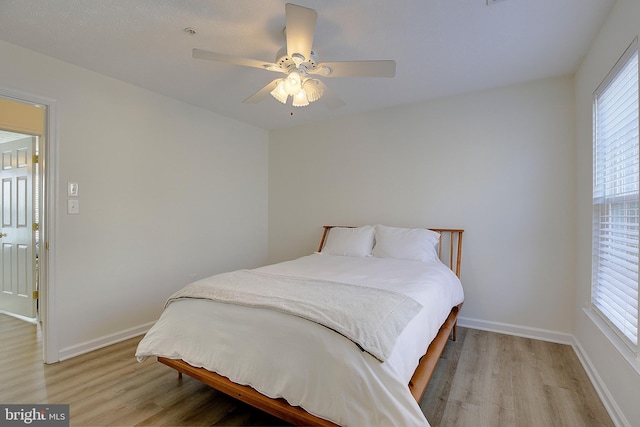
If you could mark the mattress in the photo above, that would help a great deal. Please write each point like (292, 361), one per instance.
(305, 363)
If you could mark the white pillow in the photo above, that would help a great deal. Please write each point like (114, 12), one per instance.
(406, 243)
(349, 241)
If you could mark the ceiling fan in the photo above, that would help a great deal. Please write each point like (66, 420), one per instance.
(300, 64)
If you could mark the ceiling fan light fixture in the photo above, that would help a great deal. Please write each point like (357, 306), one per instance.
(298, 61)
(279, 93)
(293, 83)
(313, 90)
(302, 91)
(300, 99)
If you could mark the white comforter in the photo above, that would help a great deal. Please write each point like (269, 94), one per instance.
(307, 364)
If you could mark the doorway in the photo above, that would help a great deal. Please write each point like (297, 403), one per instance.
(25, 125)
(19, 226)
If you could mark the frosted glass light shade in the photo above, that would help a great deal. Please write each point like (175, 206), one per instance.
(300, 99)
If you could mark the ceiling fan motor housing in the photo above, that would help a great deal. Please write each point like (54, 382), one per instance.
(296, 62)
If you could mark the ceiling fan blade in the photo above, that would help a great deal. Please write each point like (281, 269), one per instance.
(300, 28)
(262, 93)
(382, 68)
(329, 98)
(245, 62)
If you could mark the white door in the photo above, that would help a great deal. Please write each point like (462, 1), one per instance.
(17, 253)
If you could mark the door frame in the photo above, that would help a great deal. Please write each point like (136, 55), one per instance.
(48, 164)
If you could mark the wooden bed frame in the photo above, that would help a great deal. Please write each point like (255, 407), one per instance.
(450, 252)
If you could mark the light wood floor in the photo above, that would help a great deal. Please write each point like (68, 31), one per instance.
(482, 379)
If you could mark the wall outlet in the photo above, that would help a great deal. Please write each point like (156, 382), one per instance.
(73, 206)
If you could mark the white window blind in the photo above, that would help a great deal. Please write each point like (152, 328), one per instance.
(616, 176)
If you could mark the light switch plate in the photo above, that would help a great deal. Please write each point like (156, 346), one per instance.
(72, 189)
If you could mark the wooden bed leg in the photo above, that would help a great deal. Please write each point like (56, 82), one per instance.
(454, 329)
(179, 375)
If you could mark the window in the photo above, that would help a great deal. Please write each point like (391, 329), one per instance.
(616, 176)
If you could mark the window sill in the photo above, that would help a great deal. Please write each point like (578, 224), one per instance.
(615, 340)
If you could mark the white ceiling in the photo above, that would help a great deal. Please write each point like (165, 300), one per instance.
(442, 47)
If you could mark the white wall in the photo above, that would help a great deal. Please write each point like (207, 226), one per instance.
(620, 379)
(498, 164)
(168, 193)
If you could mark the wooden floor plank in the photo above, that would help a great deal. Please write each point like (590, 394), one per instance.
(482, 379)
(495, 380)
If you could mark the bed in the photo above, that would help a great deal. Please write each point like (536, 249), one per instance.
(293, 356)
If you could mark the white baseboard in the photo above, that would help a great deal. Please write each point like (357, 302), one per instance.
(33, 320)
(516, 330)
(86, 347)
(609, 403)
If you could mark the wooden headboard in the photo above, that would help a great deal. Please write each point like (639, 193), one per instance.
(449, 248)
